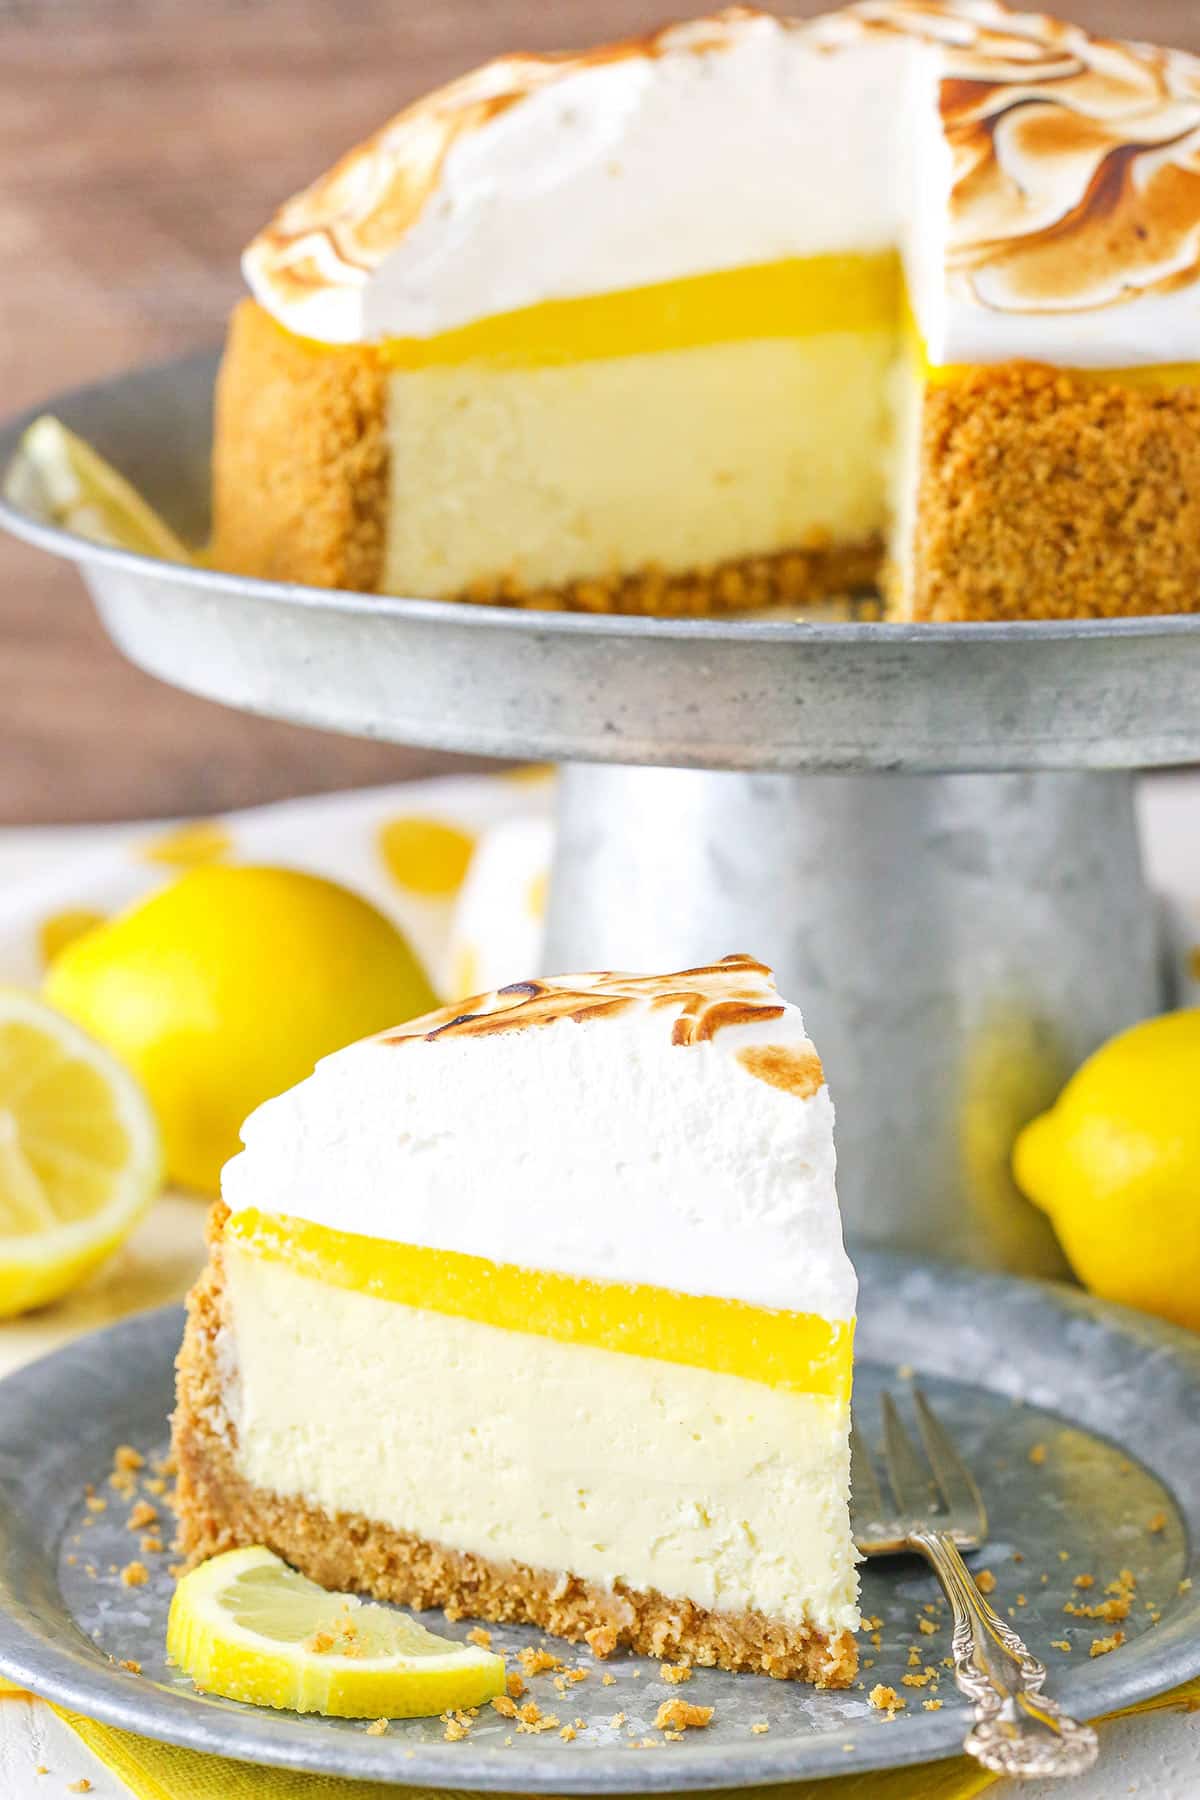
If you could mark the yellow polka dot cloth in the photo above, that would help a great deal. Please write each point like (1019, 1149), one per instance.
(460, 865)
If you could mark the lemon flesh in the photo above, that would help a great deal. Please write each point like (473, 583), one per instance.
(225, 988)
(57, 474)
(1115, 1164)
(79, 1154)
(246, 1626)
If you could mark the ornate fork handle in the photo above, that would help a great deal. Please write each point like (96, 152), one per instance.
(1017, 1730)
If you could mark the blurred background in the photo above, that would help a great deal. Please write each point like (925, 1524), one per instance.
(144, 141)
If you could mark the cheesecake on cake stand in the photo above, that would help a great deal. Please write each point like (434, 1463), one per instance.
(970, 333)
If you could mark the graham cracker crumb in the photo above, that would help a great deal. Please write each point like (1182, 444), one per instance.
(151, 1544)
(455, 1730)
(926, 1627)
(126, 1457)
(41, 1769)
(759, 1726)
(154, 1484)
(532, 1720)
(477, 1635)
(886, 1700)
(538, 1662)
(607, 1680)
(143, 1514)
(675, 1673)
(377, 1727)
(95, 1503)
(567, 1734)
(1037, 1455)
(917, 1681)
(134, 1574)
(504, 1706)
(514, 1684)
(932, 1705)
(681, 1715)
(1158, 1522)
(82, 1786)
(1060, 1644)
(134, 1668)
(617, 1720)
(985, 1581)
(601, 1640)
(1102, 1646)
(1084, 1581)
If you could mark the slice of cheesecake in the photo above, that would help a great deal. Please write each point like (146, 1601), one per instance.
(537, 1309)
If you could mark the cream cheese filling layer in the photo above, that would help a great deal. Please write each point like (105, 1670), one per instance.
(615, 1467)
(675, 459)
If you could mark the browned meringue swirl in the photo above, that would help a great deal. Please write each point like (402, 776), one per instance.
(702, 1001)
(1076, 160)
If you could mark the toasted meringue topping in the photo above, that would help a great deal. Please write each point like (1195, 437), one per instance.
(1044, 184)
(665, 1129)
(699, 1002)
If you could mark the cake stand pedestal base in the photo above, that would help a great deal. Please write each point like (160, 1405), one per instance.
(959, 944)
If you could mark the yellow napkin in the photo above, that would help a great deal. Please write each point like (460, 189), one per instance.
(161, 1772)
(153, 1771)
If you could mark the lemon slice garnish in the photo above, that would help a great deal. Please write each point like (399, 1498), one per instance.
(57, 474)
(79, 1153)
(247, 1627)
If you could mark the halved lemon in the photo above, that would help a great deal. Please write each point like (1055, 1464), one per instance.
(58, 474)
(79, 1153)
(246, 1626)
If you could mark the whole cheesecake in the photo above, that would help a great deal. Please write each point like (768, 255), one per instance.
(537, 1309)
(741, 313)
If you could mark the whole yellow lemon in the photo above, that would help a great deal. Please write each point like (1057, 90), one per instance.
(1115, 1164)
(226, 987)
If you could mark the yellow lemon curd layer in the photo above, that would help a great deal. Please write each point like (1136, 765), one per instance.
(795, 297)
(801, 296)
(797, 1351)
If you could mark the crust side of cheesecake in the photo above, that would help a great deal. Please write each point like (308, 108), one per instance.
(300, 458)
(1049, 495)
(220, 1510)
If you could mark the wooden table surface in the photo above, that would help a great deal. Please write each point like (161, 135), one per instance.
(142, 143)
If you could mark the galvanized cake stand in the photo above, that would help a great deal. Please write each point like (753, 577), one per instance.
(928, 830)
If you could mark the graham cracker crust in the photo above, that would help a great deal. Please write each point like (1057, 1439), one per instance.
(1050, 495)
(219, 1510)
(300, 458)
(787, 578)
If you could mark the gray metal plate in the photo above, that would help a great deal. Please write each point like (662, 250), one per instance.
(721, 694)
(1113, 1398)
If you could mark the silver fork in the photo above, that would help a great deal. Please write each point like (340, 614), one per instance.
(938, 1511)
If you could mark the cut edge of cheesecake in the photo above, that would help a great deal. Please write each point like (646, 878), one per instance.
(219, 1509)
